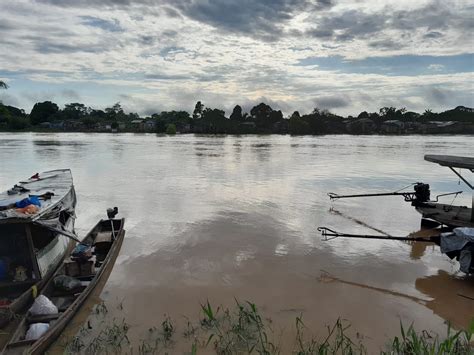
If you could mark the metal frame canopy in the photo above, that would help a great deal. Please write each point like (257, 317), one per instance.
(452, 162)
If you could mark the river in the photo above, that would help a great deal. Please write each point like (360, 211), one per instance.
(218, 217)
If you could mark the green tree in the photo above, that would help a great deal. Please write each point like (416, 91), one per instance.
(265, 117)
(363, 114)
(297, 125)
(75, 111)
(236, 114)
(197, 113)
(89, 122)
(42, 112)
(18, 123)
(114, 111)
(171, 129)
(214, 121)
(3, 85)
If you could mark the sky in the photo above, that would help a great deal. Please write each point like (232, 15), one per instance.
(346, 56)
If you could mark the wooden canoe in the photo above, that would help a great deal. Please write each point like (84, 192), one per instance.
(106, 241)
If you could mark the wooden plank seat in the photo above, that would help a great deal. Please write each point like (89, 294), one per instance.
(42, 318)
(65, 293)
(103, 237)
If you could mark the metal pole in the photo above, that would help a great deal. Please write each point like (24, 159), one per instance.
(331, 233)
(334, 196)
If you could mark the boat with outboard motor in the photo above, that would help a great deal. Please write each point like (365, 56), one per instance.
(431, 210)
(36, 231)
(64, 294)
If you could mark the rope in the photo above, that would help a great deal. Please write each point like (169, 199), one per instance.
(450, 207)
(412, 184)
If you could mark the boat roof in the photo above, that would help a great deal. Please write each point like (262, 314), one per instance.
(452, 161)
(58, 182)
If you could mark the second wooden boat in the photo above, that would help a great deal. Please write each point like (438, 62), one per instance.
(105, 239)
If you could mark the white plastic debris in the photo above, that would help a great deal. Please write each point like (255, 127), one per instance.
(36, 330)
(43, 306)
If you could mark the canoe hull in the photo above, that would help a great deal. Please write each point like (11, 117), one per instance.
(18, 345)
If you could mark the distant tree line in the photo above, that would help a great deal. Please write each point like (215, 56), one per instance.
(261, 119)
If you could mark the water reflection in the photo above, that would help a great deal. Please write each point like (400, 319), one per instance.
(452, 297)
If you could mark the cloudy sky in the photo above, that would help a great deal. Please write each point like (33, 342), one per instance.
(155, 55)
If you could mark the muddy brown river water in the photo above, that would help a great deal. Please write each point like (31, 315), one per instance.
(218, 218)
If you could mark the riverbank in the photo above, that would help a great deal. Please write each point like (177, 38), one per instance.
(243, 329)
(75, 117)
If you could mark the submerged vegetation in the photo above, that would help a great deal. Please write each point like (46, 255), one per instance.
(243, 330)
(261, 119)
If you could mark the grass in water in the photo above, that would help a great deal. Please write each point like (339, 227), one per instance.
(243, 330)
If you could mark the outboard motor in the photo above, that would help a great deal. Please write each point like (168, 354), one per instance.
(422, 192)
(112, 212)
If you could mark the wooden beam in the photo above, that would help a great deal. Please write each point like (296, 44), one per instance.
(31, 248)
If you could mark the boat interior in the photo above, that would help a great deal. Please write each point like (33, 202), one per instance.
(83, 272)
(16, 265)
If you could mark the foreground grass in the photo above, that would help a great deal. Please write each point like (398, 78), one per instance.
(242, 330)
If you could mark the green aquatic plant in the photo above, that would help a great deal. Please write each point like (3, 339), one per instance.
(335, 342)
(243, 330)
(410, 342)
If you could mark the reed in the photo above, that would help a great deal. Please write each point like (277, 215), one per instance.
(242, 330)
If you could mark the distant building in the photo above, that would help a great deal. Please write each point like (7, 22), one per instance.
(434, 127)
(185, 128)
(45, 124)
(57, 125)
(138, 125)
(392, 127)
(150, 125)
(73, 125)
(361, 126)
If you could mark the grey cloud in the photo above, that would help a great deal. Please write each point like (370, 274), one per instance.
(386, 44)
(169, 33)
(148, 40)
(70, 94)
(353, 24)
(49, 47)
(263, 19)
(171, 12)
(347, 25)
(266, 19)
(106, 25)
(157, 76)
(331, 102)
(79, 3)
(320, 33)
(438, 95)
(6, 25)
(433, 34)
